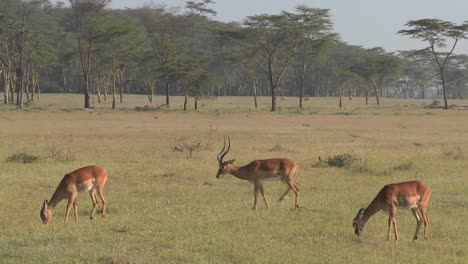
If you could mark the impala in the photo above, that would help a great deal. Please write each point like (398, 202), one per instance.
(259, 170)
(89, 179)
(412, 195)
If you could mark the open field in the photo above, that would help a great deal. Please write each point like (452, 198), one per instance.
(164, 207)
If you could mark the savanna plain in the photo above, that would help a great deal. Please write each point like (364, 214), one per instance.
(167, 207)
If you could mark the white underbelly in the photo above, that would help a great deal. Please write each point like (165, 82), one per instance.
(408, 201)
(86, 186)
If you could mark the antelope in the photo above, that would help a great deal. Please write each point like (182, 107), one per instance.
(89, 179)
(259, 170)
(412, 195)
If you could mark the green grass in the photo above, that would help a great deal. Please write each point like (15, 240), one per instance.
(167, 208)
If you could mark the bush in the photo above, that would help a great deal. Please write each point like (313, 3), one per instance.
(341, 161)
(404, 166)
(62, 156)
(454, 155)
(22, 158)
(190, 146)
(278, 148)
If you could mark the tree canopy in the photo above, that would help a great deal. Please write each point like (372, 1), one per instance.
(87, 48)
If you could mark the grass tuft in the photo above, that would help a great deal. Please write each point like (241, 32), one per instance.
(279, 148)
(345, 160)
(405, 166)
(23, 157)
(456, 154)
(61, 155)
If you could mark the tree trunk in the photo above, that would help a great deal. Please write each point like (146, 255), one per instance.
(98, 89)
(38, 89)
(376, 91)
(106, 88)
(366, 94)
(86, 91)
(27, 84)
(150, 97)
(113, 84)
(255, 95)
(34, 84)
(185, 101)
(423, 90)
(166, 82)
(12, 87)
(273, 100)
(121, 83)
(254, 86)
(444, 90)
(339, 104)
(19, 87)
(6, 86)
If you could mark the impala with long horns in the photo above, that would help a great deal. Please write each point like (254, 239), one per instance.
(259, 170)
(90, 179)
(412, 195)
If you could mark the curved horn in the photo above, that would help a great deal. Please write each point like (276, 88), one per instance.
(227, 150)
(219, 154)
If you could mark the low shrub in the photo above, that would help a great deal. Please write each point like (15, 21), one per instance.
(60, 155)
(22, 158)
(341, 160)
(405, 166)
(454, 154)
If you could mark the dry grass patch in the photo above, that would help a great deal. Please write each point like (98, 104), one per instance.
(165, 208)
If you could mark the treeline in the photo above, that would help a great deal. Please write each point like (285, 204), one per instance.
(88, 48)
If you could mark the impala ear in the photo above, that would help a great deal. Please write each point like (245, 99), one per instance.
(231, 161)
(45, 204)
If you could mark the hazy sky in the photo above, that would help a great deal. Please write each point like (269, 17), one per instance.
(368, 23)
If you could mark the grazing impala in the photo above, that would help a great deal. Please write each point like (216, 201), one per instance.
(259, 170)
(412, 195)
(89, 179)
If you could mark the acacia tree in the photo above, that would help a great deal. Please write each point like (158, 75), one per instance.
(457, 76)
(7, 32)
(276, 40)
(191, 75)
(315, 27)
(340, 60)
(418, 71)
(163, 28)
(379, 69)
(86, 18)
(16, 48)
(119, 44)
(437, 32)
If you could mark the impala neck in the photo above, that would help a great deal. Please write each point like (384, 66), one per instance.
(238, 172)
(55, 199)
(372, 209)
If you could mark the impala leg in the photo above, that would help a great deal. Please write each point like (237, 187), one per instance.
(255, 196)
(426, 221)
(418, 217)
(71, 200)
(395, 230)
(390, 220)
(394, 223)
(104, 201)
(293, 186)
(262, 191)
(75, 209)
(284, 194)
(92, 194)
